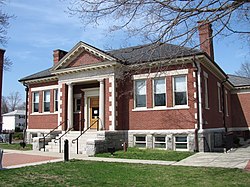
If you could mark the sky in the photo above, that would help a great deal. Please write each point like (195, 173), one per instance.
(39, 27)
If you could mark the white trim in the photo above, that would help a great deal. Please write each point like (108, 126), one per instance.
(206, 91)
(43, 113)
(241, 91)
(32, 103)
(155, 142)
(41, 130)
(171, 131)
(153, 91)
(173, 91)
(42, 88)
(113, 103)
(89, 92)
(135, 107)
(174, 141)
(44, 101)
(178, 107)
(205, 74)
(199, 98)
(161, 74)
(140, 142)
(239, 129)
(213, 129)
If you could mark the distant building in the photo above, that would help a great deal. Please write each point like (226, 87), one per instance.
(14, 120)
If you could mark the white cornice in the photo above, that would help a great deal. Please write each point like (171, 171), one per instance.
(96, 66)
(41, 80)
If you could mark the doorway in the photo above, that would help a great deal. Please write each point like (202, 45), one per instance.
(94, 112)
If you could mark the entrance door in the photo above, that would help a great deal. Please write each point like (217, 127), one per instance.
(94, 112)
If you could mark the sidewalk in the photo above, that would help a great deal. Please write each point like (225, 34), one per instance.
(239, 158)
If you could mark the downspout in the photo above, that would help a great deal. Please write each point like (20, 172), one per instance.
(199, 126)
(223, 103)
(26, 114)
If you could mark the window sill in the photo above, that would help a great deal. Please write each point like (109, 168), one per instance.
(161, 108)
(44, 113)
(207, 108)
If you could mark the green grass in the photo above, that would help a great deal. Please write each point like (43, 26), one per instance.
(15, 146)
(88, 173)
(148, 154)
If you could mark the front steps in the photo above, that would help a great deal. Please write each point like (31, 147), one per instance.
(54, 145)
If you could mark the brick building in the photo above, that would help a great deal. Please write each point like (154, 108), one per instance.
(155, 96)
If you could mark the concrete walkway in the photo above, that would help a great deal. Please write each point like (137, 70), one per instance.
(239, 158)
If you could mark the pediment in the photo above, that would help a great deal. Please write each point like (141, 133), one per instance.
(82, 55)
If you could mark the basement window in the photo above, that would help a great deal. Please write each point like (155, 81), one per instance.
(160, 142)
(140, 141)
(181, 142)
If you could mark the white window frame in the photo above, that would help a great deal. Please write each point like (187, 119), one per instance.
(33, 102)
(219, 96)
(56, 103)
(226, 103)
(44, 91)
(206, 90)
(140, 142)
(187, 142)
(165, 91)
(156, 142)
(135, 95)
(173, 85)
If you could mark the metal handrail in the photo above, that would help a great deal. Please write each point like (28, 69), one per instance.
(83, 132)
(50, 132)
(60, 139)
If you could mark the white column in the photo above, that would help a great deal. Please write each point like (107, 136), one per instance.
(70, 105)
(101, 105)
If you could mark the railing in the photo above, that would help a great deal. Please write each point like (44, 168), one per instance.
(77, 139)
(60, 139)
(51, 133)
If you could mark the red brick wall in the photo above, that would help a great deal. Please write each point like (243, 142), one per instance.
(42, 120)
(241, 109)
(155, 119)
(84, 59)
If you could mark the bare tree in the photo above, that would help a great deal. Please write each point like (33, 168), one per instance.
(4, 23)
(5, 108)
(166, 20)
(14, 100)
(244, 70)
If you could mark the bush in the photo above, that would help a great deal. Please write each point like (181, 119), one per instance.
(18, 136)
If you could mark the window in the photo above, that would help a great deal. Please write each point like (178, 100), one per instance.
(180, 90)
(219, 96)
(46, 101)
(159, 92)
(181, 142)
(77, 105)
(226, 103)
(140, 141)
(206, 92)
(160, 142)
(56, 100)
(36, 102)
(140, 93)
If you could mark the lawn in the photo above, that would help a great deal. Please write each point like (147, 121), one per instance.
(88, 173)
(15, 146)
(148, 154)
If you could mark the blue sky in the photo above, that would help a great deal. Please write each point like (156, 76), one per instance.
(41, 26)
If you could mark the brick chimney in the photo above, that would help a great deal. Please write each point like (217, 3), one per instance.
(2, 51)
(58, 54)
(206, 40)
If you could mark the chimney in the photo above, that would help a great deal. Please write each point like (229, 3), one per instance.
(206, 40)
(58, 54)
(2, 51)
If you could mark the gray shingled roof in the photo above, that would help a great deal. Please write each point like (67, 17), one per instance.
(151, 52)
(238, 81)
(136, 54)
(41, 74)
